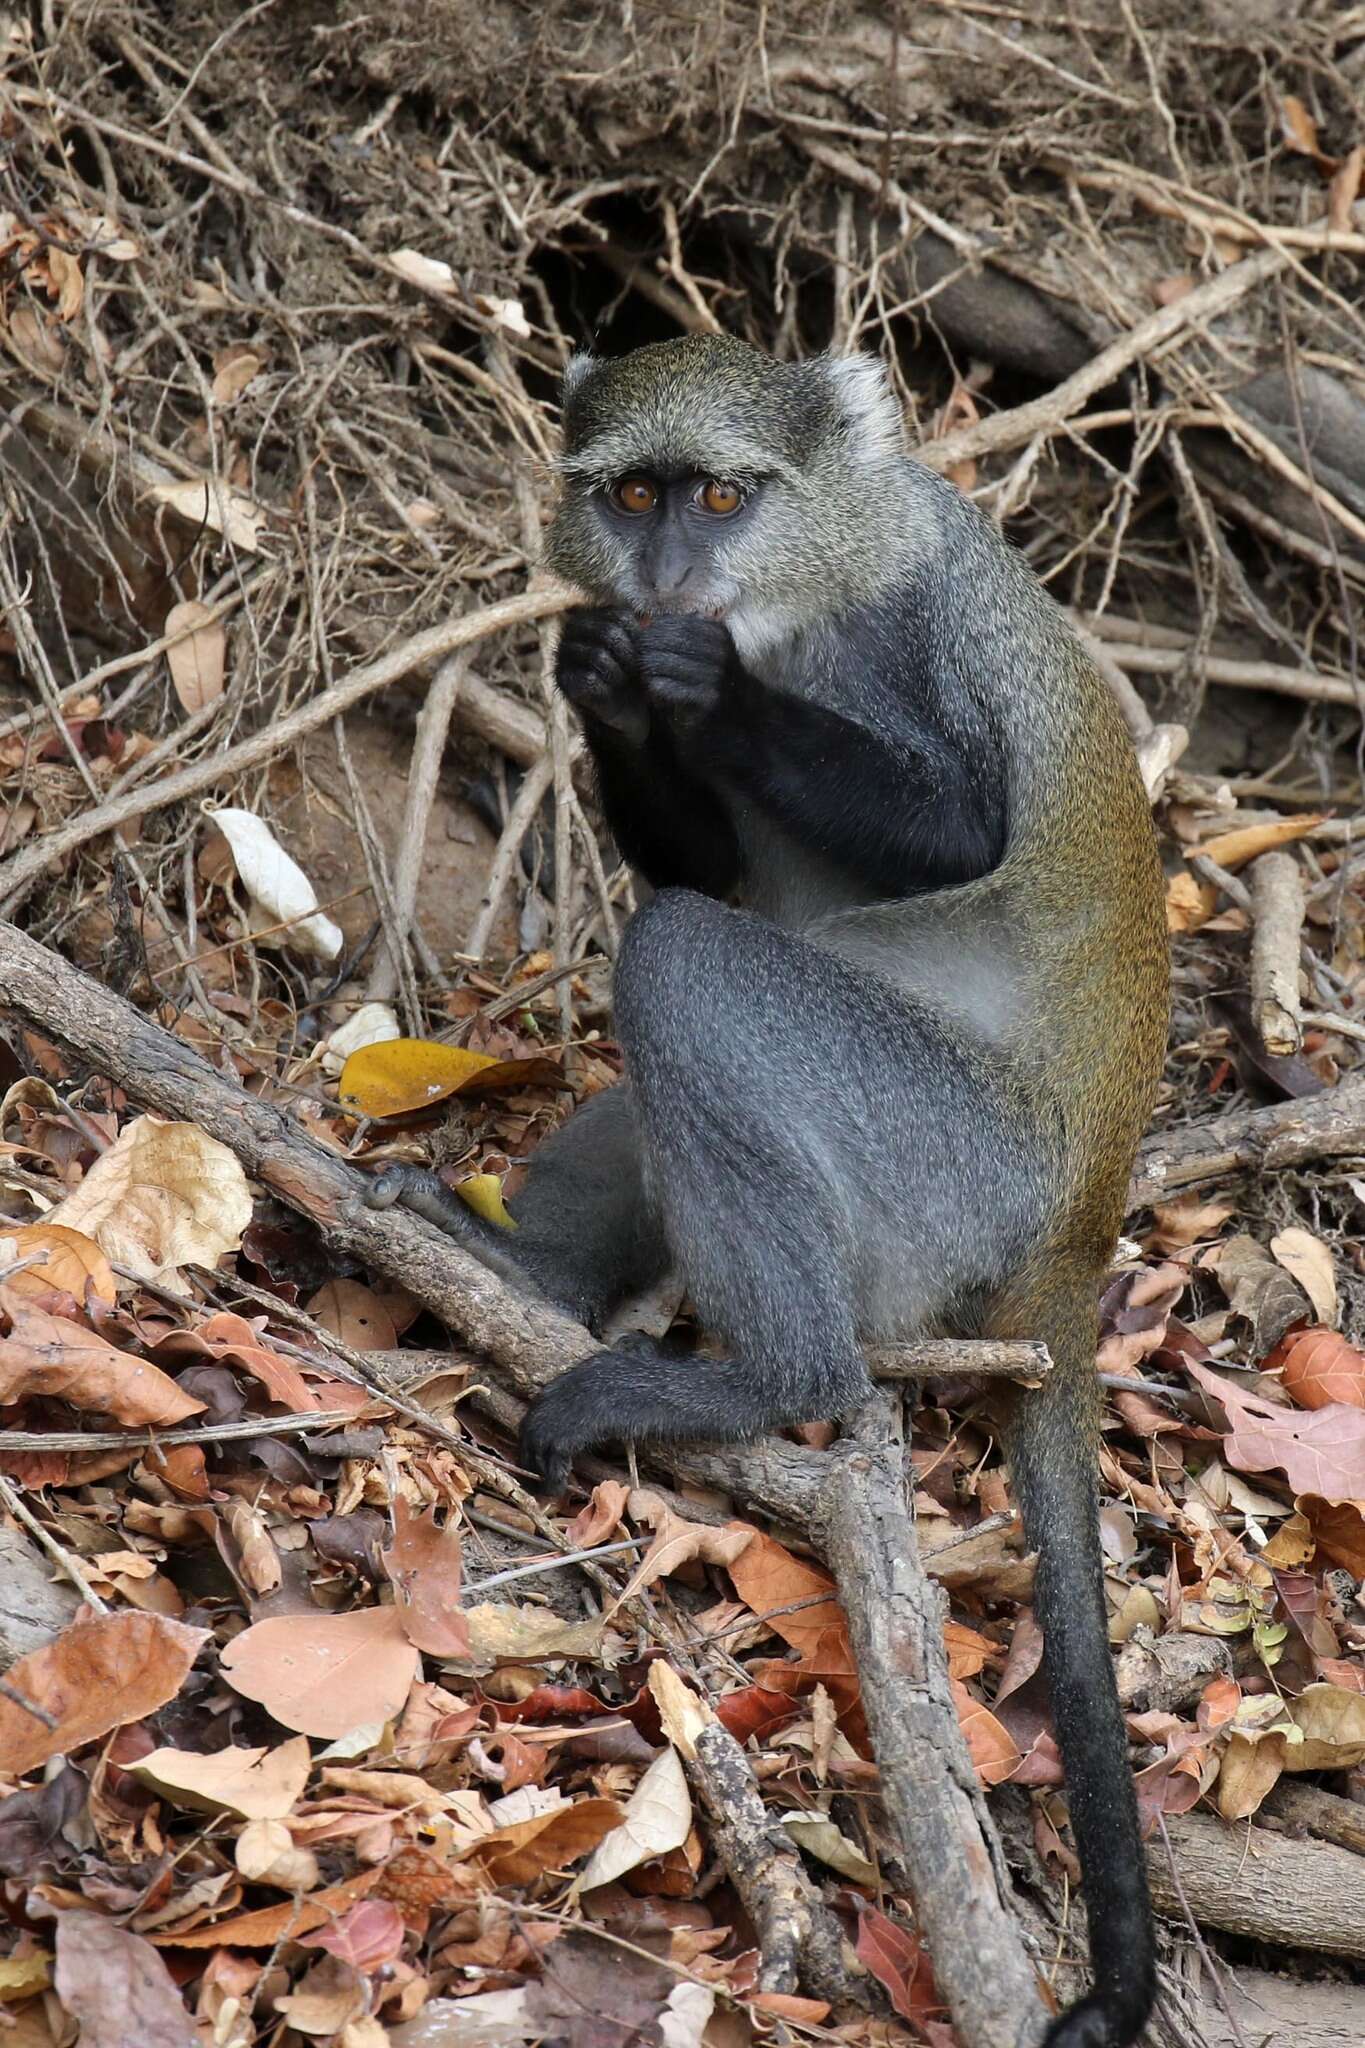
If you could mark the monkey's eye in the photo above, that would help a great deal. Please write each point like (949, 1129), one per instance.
(633, 494)
(720, 498)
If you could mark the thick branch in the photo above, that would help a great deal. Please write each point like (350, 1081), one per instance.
(1327, 1126)
(928, 1782)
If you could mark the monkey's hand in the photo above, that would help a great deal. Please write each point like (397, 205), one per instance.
(599, 672)
(691, 675)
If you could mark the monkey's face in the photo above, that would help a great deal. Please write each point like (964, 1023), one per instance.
(700, 476)
(670, 540)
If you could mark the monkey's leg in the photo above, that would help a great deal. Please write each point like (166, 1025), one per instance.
(588, 1234)
(828, 1165)
(1052, 1442)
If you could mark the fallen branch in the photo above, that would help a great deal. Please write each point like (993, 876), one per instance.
(1326, 1126)
(928, 1781)
(798, 1937)
(1269, 1887)
(1277, 910)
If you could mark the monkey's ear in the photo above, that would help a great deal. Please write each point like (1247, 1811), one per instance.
(867, 402)
(580, 365)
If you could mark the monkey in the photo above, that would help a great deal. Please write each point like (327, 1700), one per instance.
(894, 1006)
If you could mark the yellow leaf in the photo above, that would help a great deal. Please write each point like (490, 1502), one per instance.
(403, 1074)
(1235, 849)
(482, 1193)
(25, 1976)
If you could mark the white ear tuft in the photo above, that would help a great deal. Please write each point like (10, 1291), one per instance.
(580, 365)
(860, 385)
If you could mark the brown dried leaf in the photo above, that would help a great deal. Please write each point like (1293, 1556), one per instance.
(255, 1784)
(1234, 849)
(425, 1567)
(1310, 1262)
(325, 1674)
(601, 1517)
(69, 1259)
(274, 1924)
(1344, 190)
(657, 1819)
(993, 1749)
(355, 1313)
(162, 1196)
(519, 1854)
(233, 369)
(1338, 1530)
(1188, 1220)
(47, 1354)
(676, 1542)
(236, 1341)
(1332, 1719)
(1298, 127)
(95, 1676)
(1259, 1290)
(117, 1986)
(198, 662)
(1190, 903)
(1322, 1452)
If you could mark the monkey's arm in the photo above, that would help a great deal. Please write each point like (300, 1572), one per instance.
(667, 823)
(880, 788)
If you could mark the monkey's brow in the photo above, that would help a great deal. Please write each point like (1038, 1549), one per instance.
(609, 456)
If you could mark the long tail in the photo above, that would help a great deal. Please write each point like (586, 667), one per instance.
(1053, 1450)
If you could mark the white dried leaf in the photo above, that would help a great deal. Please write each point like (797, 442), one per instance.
(206, 502)
(197, 662)
(684, 2020)
(508, 313)
(658, 1818)
(427, 271)
(281, 894)
(372, 1024)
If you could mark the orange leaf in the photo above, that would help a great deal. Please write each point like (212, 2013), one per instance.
(1338, 1530)
(325, 1674)
(519, 1854)
(1297, 125)
(993, 1749)
(425, 1567)
(47, 1354)
(967, 1651)
(897, 1961)
(273, 1924)
(233, 1340)
(70, 1259)
(94, 1676)
(1318, 1367)
(784, 2005)
(1235, 849)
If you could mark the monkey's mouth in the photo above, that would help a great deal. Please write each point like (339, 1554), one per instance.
(679, 608)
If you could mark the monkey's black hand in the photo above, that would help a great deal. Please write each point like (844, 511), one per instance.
(599, 672)
(561, 1422)
(691, 674)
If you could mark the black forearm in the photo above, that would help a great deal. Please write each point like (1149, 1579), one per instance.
(666, 822)
(902, 812)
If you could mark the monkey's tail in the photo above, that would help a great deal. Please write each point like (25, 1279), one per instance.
(1053, 1450)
